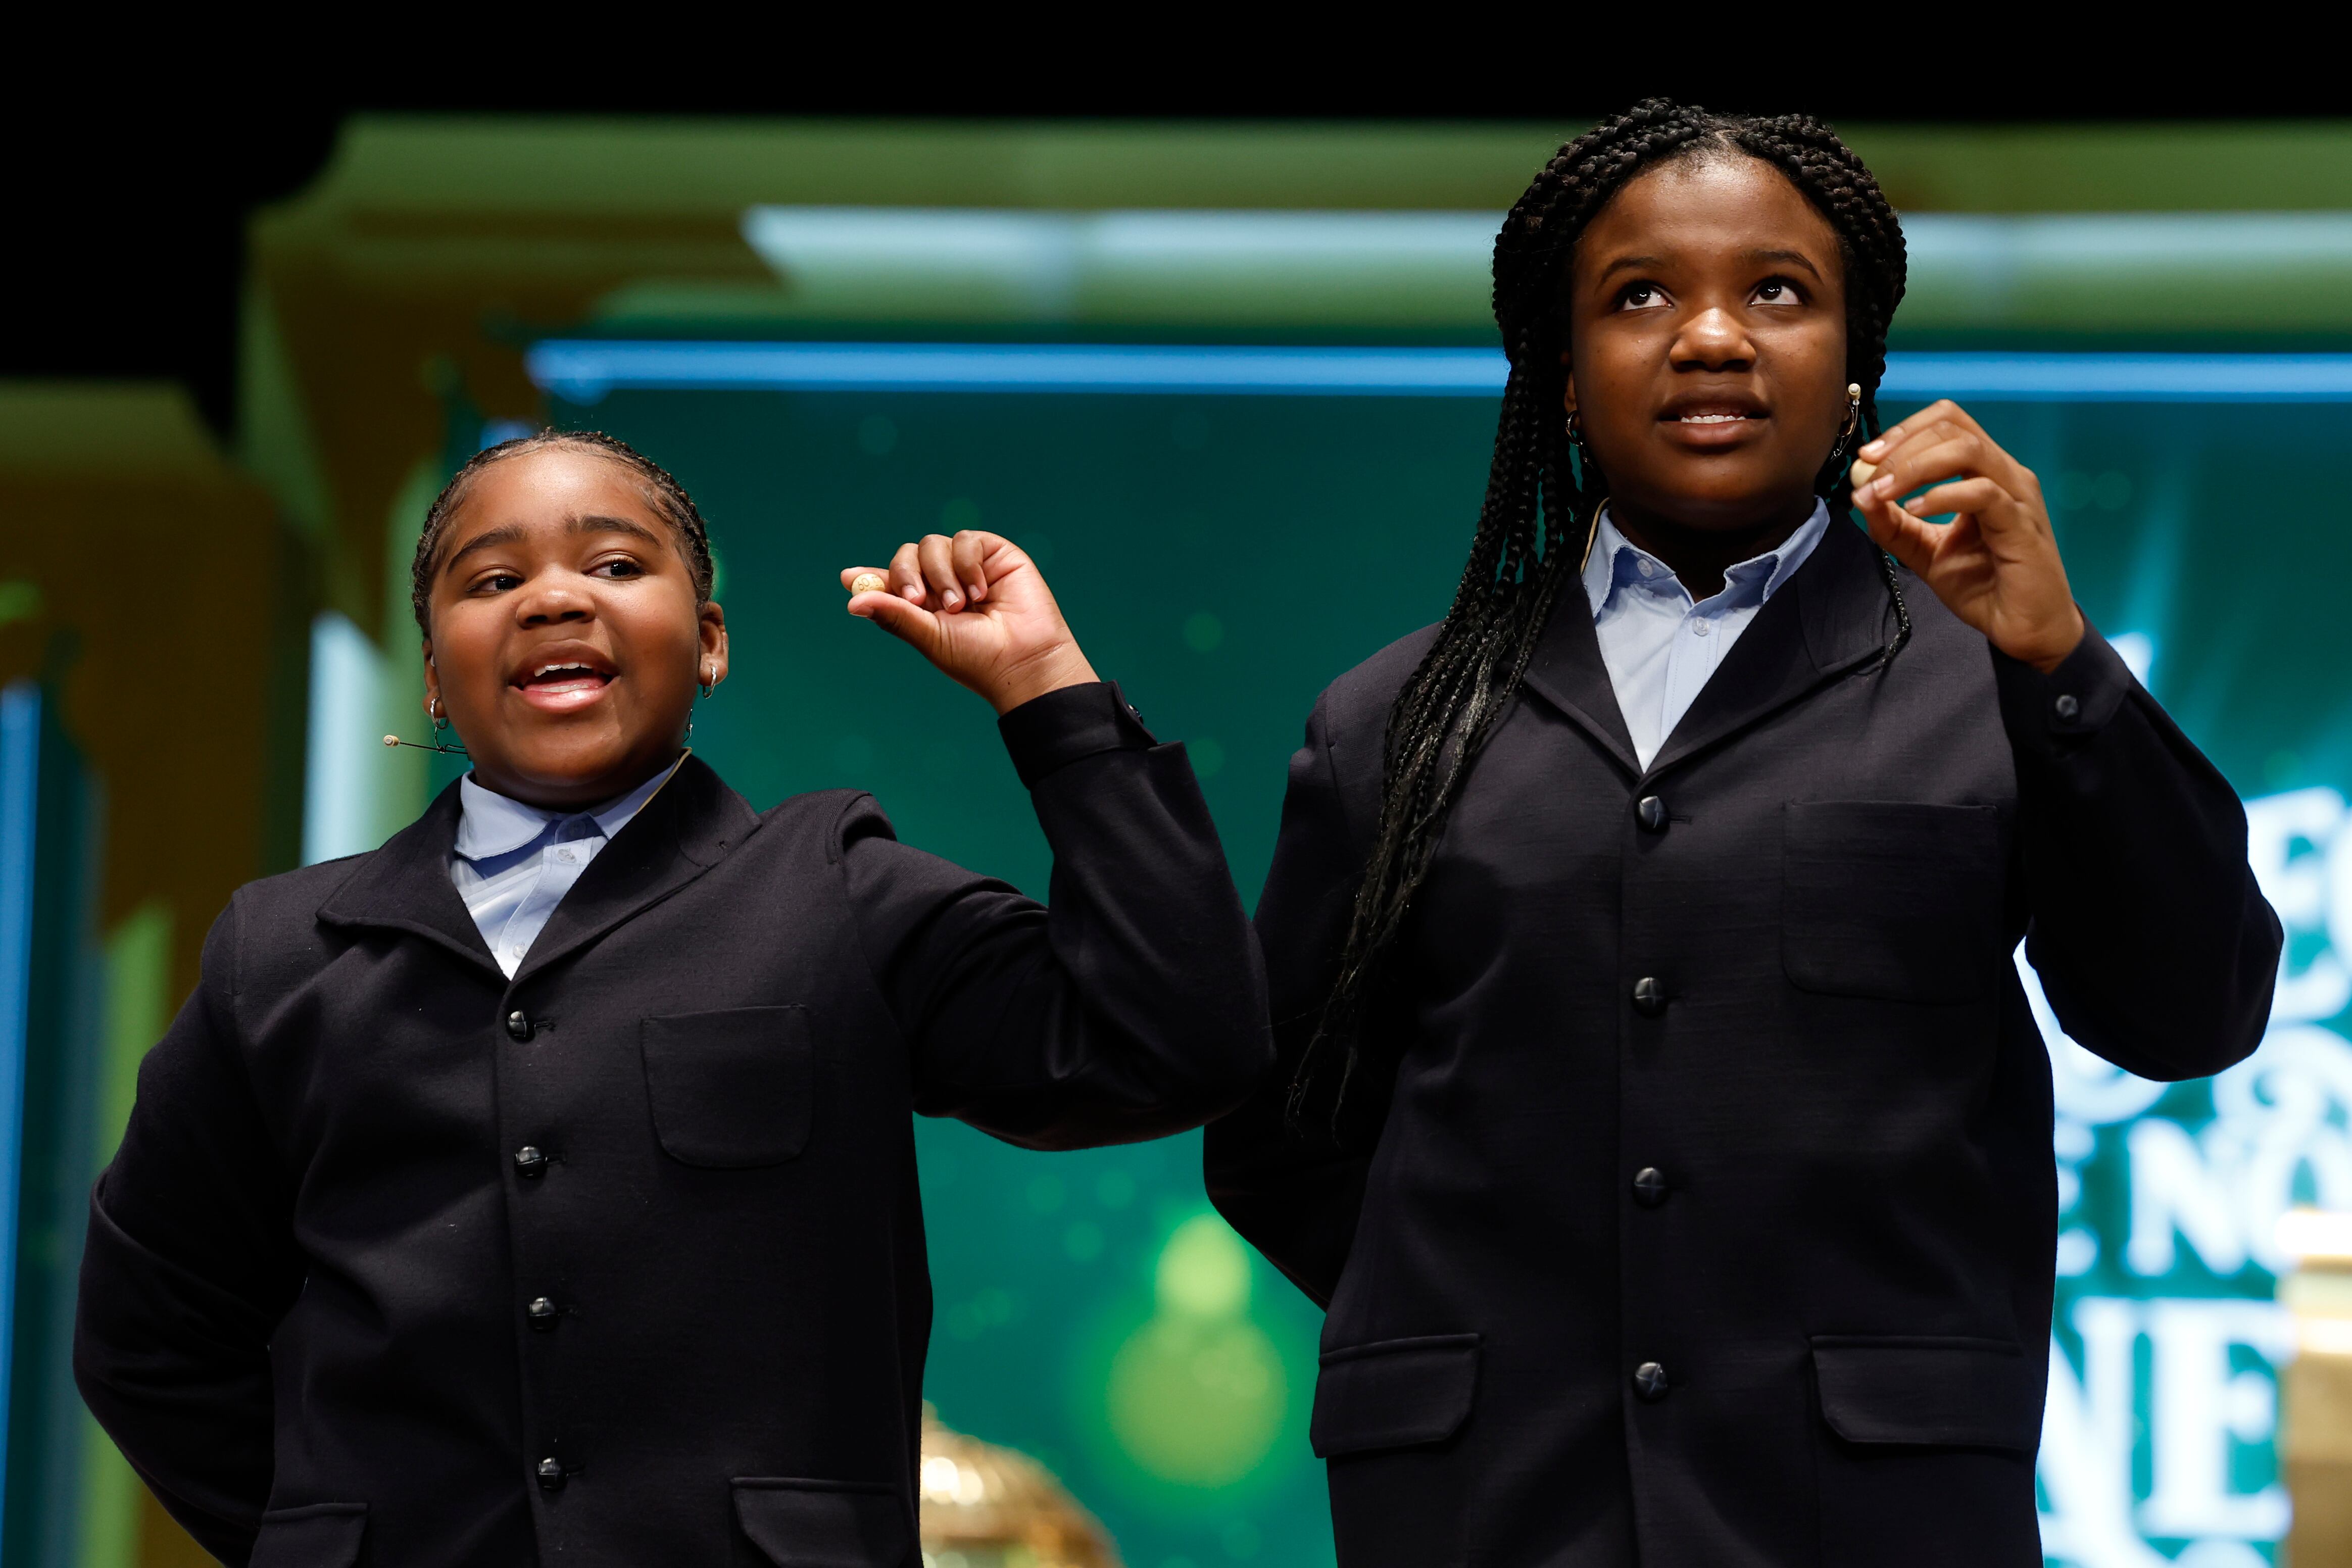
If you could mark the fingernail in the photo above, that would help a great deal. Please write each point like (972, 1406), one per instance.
(979, 590)
(951, 599)
(914, 592)
(1870, 449)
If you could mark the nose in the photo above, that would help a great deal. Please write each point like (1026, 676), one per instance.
(1713, 340)
(553, 598)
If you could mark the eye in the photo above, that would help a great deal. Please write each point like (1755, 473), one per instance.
(496, 582)
(1779, 292)
(618, 567)
(1641, 297)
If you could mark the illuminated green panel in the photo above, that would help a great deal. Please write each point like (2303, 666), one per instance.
(1225, 558)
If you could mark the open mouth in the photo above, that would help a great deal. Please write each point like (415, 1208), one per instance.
(561, 685)
(1716, 419)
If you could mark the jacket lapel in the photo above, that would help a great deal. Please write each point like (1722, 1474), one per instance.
(404, 886)
(1831, 616)
(1567, 671)
(687, 827)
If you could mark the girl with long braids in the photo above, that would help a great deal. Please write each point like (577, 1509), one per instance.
(1659, 1115)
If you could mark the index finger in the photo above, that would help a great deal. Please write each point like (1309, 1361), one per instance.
(1876, 449)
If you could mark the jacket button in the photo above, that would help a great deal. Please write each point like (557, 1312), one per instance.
(1651, 812)
(518, 1025)
(551, 1475)
(1649, 996)
(2067, 706)
(531, 1159)
(542, 1313)
(1649, 1382)
(1649, 1186)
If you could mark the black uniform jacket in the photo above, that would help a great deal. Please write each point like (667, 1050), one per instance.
(1712, 1221)
(621, 1261)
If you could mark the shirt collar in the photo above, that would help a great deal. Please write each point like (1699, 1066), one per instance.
(490, 824)
(1617, 561)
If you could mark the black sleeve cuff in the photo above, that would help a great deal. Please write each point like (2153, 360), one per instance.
(2074, 701)
(1049, 733)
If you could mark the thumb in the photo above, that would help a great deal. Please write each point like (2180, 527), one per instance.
(910, 624)
(1901, 535)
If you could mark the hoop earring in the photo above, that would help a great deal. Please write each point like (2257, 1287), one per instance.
(440, 724)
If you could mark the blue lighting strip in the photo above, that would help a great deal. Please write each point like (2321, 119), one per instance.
(585, 371)
(20, 743)
(2121, 378)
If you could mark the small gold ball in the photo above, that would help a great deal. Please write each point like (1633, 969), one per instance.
(868, 583)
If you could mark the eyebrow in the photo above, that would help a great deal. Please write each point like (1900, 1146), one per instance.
(1653, 263)
(1630, 263)
(1794, 257)
(585, 522)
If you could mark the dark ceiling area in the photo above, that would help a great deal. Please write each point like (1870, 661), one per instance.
(129, 202)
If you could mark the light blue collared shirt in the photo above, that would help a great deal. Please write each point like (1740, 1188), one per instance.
(513, 863)
(1660, 647)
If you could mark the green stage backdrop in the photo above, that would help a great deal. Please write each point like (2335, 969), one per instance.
(1226, 556)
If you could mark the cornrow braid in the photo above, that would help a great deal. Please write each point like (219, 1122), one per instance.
(663, 493)
(1542, 493)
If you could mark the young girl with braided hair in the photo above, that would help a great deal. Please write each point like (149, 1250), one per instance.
(1659, 1115)
(540, 1187)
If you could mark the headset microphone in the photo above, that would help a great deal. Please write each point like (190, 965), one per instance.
(446, 750)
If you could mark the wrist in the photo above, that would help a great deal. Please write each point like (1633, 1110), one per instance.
(1051, 669)
(2049, 653)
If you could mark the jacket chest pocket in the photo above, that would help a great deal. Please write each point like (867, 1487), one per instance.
(1899, 901)
(733, 1090)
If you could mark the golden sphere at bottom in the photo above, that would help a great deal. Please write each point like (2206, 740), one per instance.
(986, 1507)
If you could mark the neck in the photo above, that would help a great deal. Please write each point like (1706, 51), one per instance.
(571, 795)
(1698, 555)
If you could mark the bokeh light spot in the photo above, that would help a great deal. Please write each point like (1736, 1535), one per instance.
(1197, 1401)
(1203, 1271)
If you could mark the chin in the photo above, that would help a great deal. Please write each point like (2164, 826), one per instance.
(1714, 497)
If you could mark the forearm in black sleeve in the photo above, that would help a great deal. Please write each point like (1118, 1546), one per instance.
(2153, 942)
(189, 1265)
(1295, 1198)
(1131, 1005)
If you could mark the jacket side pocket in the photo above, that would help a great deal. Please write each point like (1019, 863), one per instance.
(803, 1524)
(1931, 1391)
(731, 1090)
(320, 1535)
(1393, 1394)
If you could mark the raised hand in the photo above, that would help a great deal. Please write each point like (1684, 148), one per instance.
(1996, 563)
(976, 606)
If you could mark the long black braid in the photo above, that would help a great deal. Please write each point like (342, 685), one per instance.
(1541, 492)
